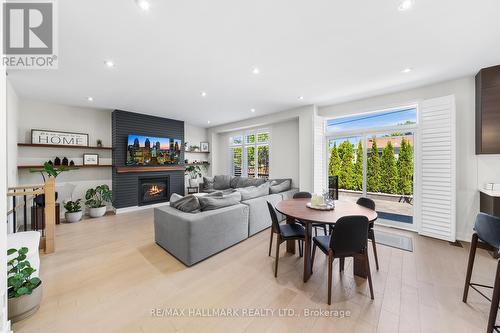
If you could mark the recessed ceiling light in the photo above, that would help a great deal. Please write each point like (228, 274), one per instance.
(256, 70)
(407, 70)
(203, 94)
(90, 99)
(300, 98)
(109, 63)
(406, 5)
(208, 122)
(252, 110)
(143, 4)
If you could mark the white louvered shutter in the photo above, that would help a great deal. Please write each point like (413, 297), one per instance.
(319, 155)
(436, 180)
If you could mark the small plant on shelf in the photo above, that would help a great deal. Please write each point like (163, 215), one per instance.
(73, 211)
(96, 199)
(194, 148)
(99, 143)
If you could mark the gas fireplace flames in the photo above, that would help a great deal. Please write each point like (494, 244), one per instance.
(154, 190)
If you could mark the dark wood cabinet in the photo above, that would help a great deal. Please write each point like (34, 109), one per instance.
(488, 111)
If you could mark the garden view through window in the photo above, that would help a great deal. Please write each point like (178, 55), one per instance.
(378, 164)
(249, 154)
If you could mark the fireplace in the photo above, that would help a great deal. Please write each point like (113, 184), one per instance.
(153, 190)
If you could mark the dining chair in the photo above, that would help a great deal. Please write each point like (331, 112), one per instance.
(284, 233)
(302, 195)
(349, 238)
(370, 204)
(486, 230)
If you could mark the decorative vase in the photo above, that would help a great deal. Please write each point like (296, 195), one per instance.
(57, 161)
(65, 161)
(73, 217)
(72, 163)
(193, 182)
(97, 212)
(24, 306)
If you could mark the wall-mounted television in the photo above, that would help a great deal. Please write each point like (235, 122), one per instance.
(149, 150)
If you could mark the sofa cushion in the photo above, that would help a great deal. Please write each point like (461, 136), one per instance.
(251, 192)
(175, 197)
(208, 184)
(260, 218)
(247, 182)
(187, 204)
(211, 203)
(222, 182)
(276, 187)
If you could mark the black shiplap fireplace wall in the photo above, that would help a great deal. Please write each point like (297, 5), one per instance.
(125, 184)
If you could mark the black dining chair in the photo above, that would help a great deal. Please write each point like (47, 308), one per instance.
(370, 204)
(316, 226)
(284, 233)
(349, 238)
(486, 230)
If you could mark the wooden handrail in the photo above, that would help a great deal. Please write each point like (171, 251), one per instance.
(24, 187)
(27, 193)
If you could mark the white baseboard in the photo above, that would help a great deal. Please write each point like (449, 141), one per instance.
(136, 208)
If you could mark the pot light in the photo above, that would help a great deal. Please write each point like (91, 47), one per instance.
(208, 122)
(252, 110)
(143, 4)
(300, 98)
(109, 63)
(203, 94)
(90, 99)
(256, 70)
(406, 5)
(406, 70)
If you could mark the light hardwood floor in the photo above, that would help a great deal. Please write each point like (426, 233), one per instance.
(107, 275)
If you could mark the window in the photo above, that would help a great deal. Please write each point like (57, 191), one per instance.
(249, 154)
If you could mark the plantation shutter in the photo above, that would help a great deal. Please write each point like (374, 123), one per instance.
(436, 180)
(319, 155)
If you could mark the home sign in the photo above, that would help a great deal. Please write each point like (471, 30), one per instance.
(57, 138)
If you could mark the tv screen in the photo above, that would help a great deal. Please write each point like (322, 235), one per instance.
(148, 150)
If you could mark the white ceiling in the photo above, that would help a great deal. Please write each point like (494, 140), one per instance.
(327, 51)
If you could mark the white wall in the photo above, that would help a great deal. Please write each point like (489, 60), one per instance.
(291, 144)
(12, 123)
(472, 170)
(193, 136)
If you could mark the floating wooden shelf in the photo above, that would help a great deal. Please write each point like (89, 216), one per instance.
(137, 169)
(62, 146)
(197, 152)
(197, 163)
(69, 167)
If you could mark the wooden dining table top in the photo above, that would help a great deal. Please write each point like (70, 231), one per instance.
(297, 208)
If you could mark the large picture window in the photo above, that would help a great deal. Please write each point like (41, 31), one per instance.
(249, 154)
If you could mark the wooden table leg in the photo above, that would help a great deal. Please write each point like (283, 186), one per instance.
(307, 251)
(359, 267)
(290, 244)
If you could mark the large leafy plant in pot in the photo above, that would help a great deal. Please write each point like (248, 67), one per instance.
(96, 199)
(24, 291)
(193, 172)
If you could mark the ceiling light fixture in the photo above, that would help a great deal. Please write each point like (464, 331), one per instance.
(90, 99)
(406, 5)
(143, 4)
(407, 70)
(109, 63)
(256, 70)
(203, 94)
(252, 110)
(300, 98)
(208, 122)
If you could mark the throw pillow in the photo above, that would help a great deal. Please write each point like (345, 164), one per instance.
(187, 204)
(246, 182)
(212, 203)
(222, 182)
(175, 197)
(251, 192)
(280, 187)
(208, 184)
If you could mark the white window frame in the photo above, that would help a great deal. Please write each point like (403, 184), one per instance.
(244, 145)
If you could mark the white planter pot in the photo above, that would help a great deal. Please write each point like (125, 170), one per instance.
(22, 307)
(73, 217)
(97, 212)
(193, 182)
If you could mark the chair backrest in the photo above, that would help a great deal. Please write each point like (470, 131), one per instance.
(366, 202)
(300, 195)
(350, 235)
(487, 228)
(274, 218)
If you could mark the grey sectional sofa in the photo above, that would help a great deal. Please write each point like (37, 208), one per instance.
(193, 237)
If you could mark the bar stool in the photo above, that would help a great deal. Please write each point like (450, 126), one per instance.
(486, 230)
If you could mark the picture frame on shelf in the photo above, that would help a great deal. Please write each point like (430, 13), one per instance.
(204, 147)
(90, 159)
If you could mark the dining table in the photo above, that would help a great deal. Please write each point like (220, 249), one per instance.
(297, 209)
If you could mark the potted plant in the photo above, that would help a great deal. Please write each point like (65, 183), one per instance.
(194, 148)
(99, 143)
(193, 172)
(51, 171)
(24, 291)
(96, 199)
(73, 211)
